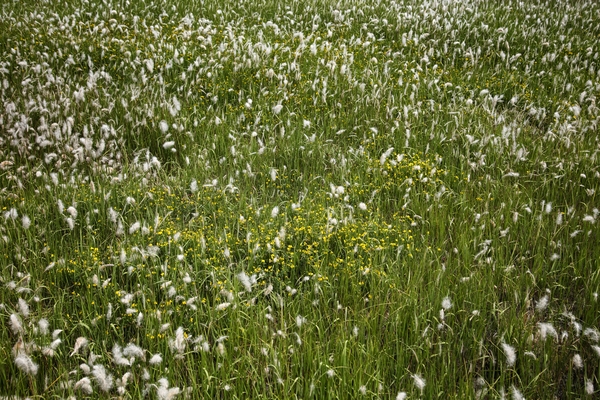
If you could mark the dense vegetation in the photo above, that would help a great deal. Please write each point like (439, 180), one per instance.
(302, 199)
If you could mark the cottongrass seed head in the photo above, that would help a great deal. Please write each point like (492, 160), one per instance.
(510, 353)
(419, 382)
(26, 364)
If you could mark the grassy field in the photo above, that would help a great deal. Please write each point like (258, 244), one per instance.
(243, 199)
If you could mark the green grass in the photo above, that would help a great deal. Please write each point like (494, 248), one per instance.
(424, 201)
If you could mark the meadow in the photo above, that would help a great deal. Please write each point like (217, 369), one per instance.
(307, 199)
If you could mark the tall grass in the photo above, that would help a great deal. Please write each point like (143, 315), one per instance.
(360, 199)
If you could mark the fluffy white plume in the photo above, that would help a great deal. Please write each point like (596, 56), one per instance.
(156, 359)
(510, 353)
(84, 385)
(80, 344)
(23, 308)
(547, 329)
(164, 392)
(26, 364)
(385, 155)
(105, 381)
(246, 280)
(419, 382)
(132, 350)
(15, 324)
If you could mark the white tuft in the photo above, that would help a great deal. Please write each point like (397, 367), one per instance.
(245, 280)
(168, 145)
(419, 382)
(26, 364)
(547, 329)
(592, 334)
(84, 385)
(164, 392)
(118, 358)
(446, 303)
(385, 155)
(80, 344)
(178, 344)
(300, 320)
(15, 324)
(134, 227)
(43, 324)
(23, 308)
(589, 387)
(222, 306)
(132, 350)
(510, 353)
(516, 394)
(156, 359)
(72, 211)
(277, 109)
(542, 303)
(275, 212)
(164, 126)
(104, 380)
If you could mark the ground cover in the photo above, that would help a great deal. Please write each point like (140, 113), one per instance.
(310, 199)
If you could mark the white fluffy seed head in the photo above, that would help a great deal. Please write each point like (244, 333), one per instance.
(23, 308)
(277, 109)
(385, 155)
(72, 211)
(43, 324)
(589, 387)
(542, 303)
(245, 280)
(547, 329)
(80, 343)
(446, 303)
(26, 364)
(516, 394)
(26, 222)
(164, 126)
(132, 350)
(168, 145)
(510, 353)
(105, 380)
(275, 212)
(596, 349)
(134, 227)
(84, 385)
(300, 320)
(15, 324)
(156, 359)
(419, 382)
